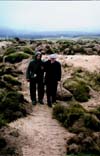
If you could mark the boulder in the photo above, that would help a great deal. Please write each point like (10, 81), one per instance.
(63, 94)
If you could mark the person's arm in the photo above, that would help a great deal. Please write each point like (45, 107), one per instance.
(44, 75)
(59, 72)
(45, 65)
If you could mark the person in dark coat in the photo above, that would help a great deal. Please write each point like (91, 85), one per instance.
(34, 75)
(52, 76)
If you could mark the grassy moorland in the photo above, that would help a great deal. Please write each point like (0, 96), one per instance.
(78, 106)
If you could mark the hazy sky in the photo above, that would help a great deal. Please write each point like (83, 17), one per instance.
(50, 15)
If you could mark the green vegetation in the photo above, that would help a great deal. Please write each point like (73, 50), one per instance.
(96, 112)
(6, 69)
(10, 151)
(68, 115)
(16, 57)
(11, 80)
(10, 50)
(12, 102)
(91, 121)
(92, 79)
(3, 121)
(84, 124)
(28, 50)
(78, 88)
(81, 83)
(12, 106)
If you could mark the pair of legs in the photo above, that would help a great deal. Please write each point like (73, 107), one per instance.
(51, 90)
(39, 86)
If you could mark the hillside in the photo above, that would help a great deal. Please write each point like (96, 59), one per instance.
(37, 131)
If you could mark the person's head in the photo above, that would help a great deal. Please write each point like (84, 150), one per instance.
(38, 55)
(52, 58)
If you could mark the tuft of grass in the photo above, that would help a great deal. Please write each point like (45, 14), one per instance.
(10, 50)
(76, 118)
(90, 78)
(28, 50)
(11, 80)
(68, 115)
(3, 121)
(78, 88)
(16, 57)
(12, 106)
(91, 122)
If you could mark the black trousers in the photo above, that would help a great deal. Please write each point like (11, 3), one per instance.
(39, 86)
(51, 90)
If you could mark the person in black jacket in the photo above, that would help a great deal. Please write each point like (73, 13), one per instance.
(34, 75)
(52, 76)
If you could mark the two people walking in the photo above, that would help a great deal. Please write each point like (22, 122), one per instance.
(40, 73)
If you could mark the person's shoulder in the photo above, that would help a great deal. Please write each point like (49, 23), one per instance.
(57, 62)
(47, 61)
(42, 62)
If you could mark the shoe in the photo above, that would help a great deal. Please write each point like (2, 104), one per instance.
(33, 102)
(41, 102)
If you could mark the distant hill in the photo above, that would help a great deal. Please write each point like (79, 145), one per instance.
(9, 33)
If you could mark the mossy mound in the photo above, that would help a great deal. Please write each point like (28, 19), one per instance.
(9, 69)
(96, 111)
(76, 118)
(11, 80)
(63, 94)
(16, 57)
(28, 50)
(68, 115)
(92, 122)
(12, 106)
(3, 121)
(8, 77)
(90, 78)
(84, 124)
(9, 86)
(81, 84)
(78, 88)
(87, 144)
(10, 50)
(12, 103)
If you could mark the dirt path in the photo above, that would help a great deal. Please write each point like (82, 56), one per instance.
(42, 135)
